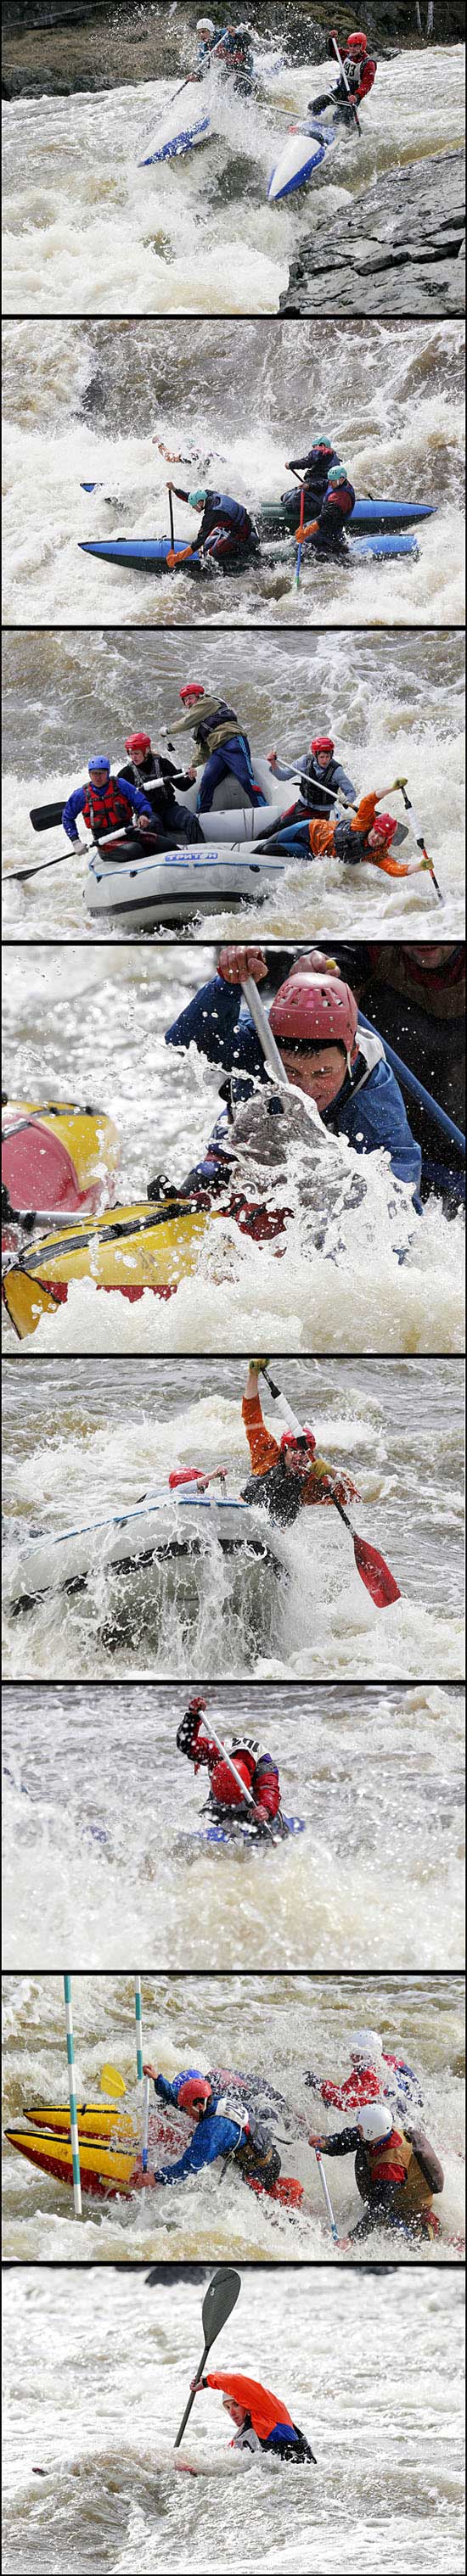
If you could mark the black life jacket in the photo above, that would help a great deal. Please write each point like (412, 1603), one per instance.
(221, 512)
(282, 1495)
(350, 846)
(259, 2161)
(326, 777)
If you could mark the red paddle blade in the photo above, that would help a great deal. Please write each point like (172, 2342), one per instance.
(375, 1574)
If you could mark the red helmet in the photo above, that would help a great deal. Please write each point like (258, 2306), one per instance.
(223, 1784)
(138, 743)
(315, 1007)
(194, 2093)
(357, 44)
(191, 693)
(385, 825)
(289, 1438)
(322, 742)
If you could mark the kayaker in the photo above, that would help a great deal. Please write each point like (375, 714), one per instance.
(256, 1767)
(105, 802)
(287, 1474)
(322, 779)
(159, 778)
(375, 2074)
(364, 838)
(262, 2422)
(327, 532)
(227, 533)
(338, 1064)
(415, 995)
(360, 68)
(206, 34)
(315, 467)
(224, 2128)
(225, 750)
(396, 2171)
(231, 47)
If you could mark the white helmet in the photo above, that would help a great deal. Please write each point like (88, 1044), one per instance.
(374, 2122)
(205, 23)
(366, 2047)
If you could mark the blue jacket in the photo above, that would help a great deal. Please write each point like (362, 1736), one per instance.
(77, 801)
(214, 2136)
(372, 1116)
(236, 757)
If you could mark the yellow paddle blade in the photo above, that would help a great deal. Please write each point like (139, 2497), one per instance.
(111, 2082)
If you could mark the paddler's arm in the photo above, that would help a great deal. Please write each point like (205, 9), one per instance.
(212, 1020)
(214, 2137)
(263, 1448)
(74, 805)
(166, 2092)
(365, 812)
(345, 2143)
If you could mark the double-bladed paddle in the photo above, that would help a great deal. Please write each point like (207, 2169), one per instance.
(371, 1566)
(221, 2297)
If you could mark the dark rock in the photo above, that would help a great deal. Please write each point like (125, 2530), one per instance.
(395, 250)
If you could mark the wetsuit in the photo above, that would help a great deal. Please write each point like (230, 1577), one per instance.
(227, 532)
(421, 1011)
(369, 1108)
(268, 2425)
(225, 2129)
(159, 778)
(283, 1494)
(396, 2177)
(319, 788)
(105, 809)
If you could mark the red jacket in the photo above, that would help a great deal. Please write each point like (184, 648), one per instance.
(264, 1776)
(363, 2085)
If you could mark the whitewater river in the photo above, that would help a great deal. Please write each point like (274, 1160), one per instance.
(102, 1038)
(101, 1811)
(275, 2027)
(394, 704)
(83, 400)
(87, 229)
(87, 1443)
(90, 2356)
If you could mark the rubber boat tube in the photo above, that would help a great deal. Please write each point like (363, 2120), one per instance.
(164, 1526)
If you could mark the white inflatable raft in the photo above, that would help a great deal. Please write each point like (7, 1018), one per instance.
(162, 1526)
(149, 892)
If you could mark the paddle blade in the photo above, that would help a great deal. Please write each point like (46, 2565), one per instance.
(221, 2297)
(375, 1574)
(111, 2082)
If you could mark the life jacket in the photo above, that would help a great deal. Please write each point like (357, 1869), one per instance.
(393, 2160)
(259, 2161)
(340, 500)
(282, 1495)
(312, 774)
(104, 809)
(219, 726)
(221, 512)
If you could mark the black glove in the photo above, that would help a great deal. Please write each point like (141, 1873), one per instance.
(187, 1731)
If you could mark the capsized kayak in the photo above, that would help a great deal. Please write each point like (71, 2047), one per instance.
(278, 518)
(164, 1526)
(306, 148)
(105, 2171)
(144, 1246)
(179, 884)
(57, 1158)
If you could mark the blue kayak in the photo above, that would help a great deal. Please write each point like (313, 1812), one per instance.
(149, 554)
(243, 1832)
(304, 151)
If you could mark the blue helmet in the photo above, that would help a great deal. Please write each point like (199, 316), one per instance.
(100, 760)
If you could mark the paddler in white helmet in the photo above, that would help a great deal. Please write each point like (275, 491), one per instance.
(396, 2171)
(376, 2074)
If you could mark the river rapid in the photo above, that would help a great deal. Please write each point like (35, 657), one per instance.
(393, 702)
(272, 2027)
(93, 1441)
(89, 2355)
(102, 1814)
(99, 1034)
(89, 230)
(84, 401)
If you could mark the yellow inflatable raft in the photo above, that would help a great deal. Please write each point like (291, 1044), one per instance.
(130, 1248)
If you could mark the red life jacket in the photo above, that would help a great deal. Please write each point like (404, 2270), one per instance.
(104, 809)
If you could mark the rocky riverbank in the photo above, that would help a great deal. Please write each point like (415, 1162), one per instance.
(398, 249)
(54, 48)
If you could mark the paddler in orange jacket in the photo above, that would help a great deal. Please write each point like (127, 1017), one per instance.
(396, 2172)
(287, 1473)
(262, 2422)
(363, 837)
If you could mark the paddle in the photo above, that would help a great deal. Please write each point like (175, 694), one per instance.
(171, 508)
(111, 2082)
(246, 1793)
(338, 59)
(221, 2297)
(327, 2195)
(300, 547)
(371, 1567)
(43, 817)
(263, 1031)
(75, 849)
(419, 835)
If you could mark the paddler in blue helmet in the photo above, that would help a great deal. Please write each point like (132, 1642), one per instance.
(227, 535)
(106, 803)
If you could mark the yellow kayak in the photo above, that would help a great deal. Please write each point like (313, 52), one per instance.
(95, 2120)
(129, 1248)
(104, 2170)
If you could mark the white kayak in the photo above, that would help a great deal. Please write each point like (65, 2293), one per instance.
(163, 1526)
(192, 120)
(306, 149)
(147, 892)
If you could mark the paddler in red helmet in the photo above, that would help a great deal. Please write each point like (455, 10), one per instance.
(250, 1764)
(359, 68)
(362, 838)
(226, 2125)
(322, 779)
(287, 1474)
(162, 781)
(262, 2422)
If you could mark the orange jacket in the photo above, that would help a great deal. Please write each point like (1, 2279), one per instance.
(264, 1450)
(265, 2410)
(322, 841)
